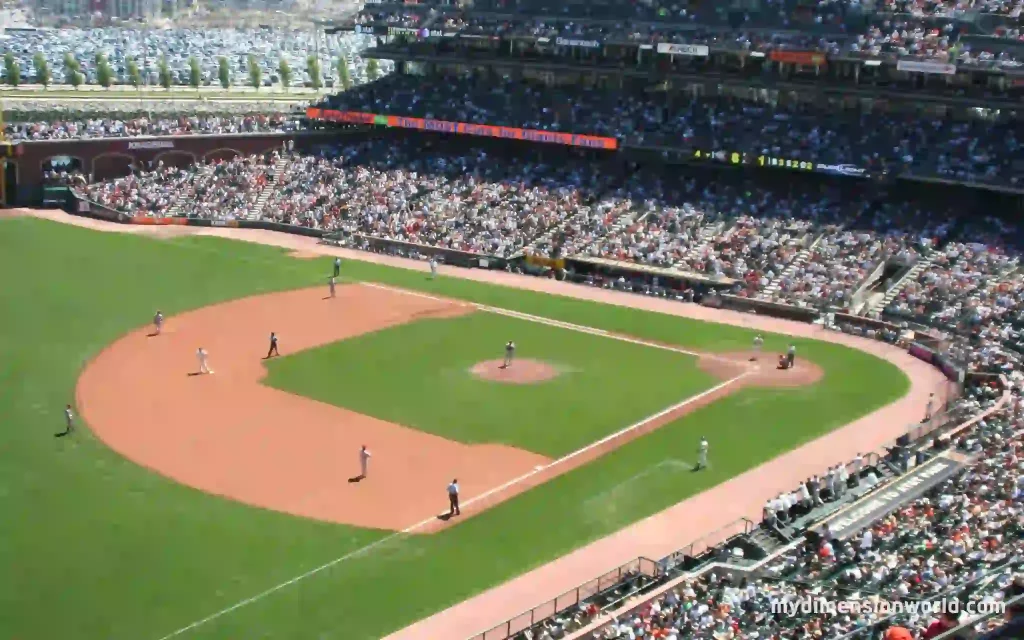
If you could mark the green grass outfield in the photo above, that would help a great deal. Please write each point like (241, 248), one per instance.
(94, 547)
(420, 378)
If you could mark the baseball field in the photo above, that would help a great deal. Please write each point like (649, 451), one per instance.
(224, 506)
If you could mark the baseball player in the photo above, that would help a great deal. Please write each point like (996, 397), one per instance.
(158, 322)
(791, 356)
(364, 461)
(337, 267)
(433, 268)
(510, 353)
(272, 351)
(330, 285)
(202, 355)
(758, 343)
(702, 454)
(69, 421)
(453, 498)
(929, 407)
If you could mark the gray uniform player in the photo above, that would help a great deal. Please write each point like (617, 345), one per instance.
(158, 322)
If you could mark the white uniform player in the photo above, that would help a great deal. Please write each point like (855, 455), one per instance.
(510, 353)
(433, 268)
(158, 322)
(702, 454)
(202, 356)
(331, 285)
(364, 461)
(758, 343)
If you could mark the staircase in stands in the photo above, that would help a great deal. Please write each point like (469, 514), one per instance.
(268, 189)
(878, 303)
(773, 286)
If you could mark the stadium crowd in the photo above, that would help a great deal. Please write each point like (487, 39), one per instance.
(933, 31)
(983, 151)
(134, 127)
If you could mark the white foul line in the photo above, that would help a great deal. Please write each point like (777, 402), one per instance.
(536, 470)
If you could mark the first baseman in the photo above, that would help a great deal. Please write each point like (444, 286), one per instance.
(510, 353)
(158, 322)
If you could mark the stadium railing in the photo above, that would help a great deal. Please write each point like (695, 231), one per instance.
(572, 598)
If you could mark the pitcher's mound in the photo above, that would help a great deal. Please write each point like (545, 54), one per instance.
(520, 372)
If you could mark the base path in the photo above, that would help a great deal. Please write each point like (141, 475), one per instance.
(227, 434)
(662, 533)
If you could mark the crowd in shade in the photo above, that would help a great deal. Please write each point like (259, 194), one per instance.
(146, 48)
(142, 126)
(980, 151)
(926, 30)
(957, 548)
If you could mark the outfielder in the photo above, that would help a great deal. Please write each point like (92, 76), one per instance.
(364, 461)
(702, 454)
(433, 268)
(158, 322)
(510, 353)
(69, 419)
(201, 355)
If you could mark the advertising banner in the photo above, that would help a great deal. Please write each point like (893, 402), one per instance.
(443, 126)
(151, 144)
(812, 58)
(907, 488)
(941, 68)
(572, 42)
(683, 49)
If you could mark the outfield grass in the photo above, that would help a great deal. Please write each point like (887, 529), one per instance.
(418, 375)
(96, 548)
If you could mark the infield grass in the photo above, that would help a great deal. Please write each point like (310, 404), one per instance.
(94, 547)
(418, 375)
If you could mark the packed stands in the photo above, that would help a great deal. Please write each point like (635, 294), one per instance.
(977, 151)
(134, 127)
